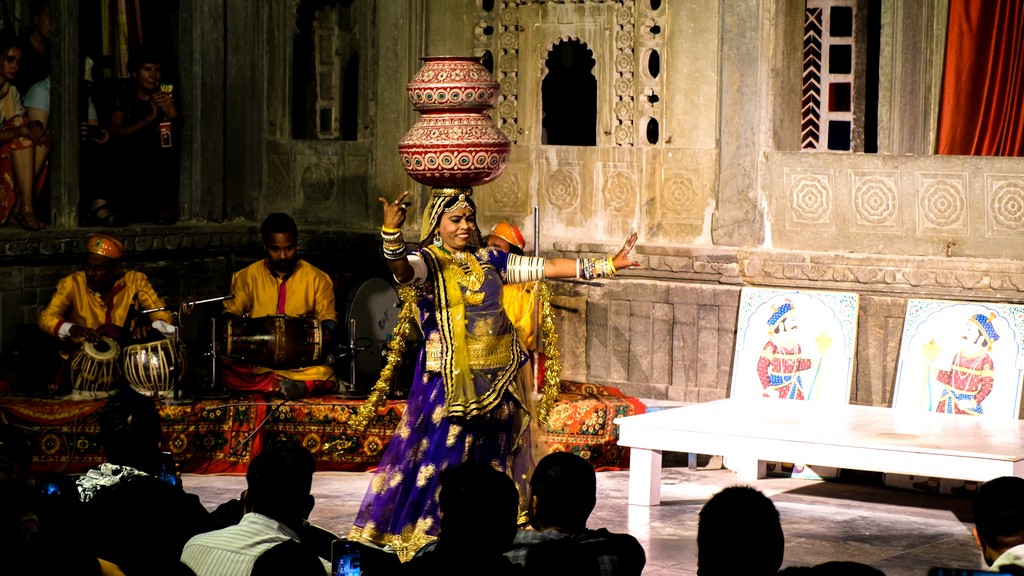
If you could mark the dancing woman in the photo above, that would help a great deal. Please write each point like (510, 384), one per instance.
(467, 400)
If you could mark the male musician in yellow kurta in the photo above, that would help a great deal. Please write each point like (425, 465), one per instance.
(282, 284)
(95, 302)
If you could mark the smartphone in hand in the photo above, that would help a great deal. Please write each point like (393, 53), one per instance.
(940, 571)
(345, 558)
(169, 470)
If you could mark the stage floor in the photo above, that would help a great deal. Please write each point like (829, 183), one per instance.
(898, 532)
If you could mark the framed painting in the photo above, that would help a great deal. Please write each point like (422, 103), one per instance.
(795, 344)
(961, 358)
(958, 358)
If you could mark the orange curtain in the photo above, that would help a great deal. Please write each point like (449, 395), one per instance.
(982, 108)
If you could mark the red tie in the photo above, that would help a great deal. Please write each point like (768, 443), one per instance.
(282, 295)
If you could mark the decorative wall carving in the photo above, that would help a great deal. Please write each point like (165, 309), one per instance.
(563, 189)
(942, 203)
(318, 179)
(507, 194)
(1005, 204)
(620, 193)
(508, 66)
(679, 199)
(810, 195)
(875, 199)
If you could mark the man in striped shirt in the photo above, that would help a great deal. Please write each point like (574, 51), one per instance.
(276, 503)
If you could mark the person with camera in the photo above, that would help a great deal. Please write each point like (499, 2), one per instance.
(145, 123)
(282, 284)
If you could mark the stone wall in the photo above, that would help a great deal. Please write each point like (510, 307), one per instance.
(667, 331)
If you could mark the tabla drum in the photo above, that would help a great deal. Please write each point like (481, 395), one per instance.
(278, 342)
(154, 368)
(94, 368)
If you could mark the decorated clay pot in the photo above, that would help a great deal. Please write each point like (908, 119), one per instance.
(454, 149)
(455, 142)
(451, 83)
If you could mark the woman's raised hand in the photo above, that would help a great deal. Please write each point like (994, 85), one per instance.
(621, 259)
(395, 212)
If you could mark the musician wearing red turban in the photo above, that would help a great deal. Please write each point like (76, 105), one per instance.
(95, 302)
(282, 284)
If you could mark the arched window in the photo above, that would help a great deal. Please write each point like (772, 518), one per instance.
(569, 96)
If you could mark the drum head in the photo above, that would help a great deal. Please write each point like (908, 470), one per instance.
(375, 307)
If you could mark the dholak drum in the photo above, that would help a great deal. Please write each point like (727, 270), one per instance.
(279, 342)
(94, 368)
(153, 368)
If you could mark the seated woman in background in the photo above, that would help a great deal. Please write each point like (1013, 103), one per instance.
(18, 139)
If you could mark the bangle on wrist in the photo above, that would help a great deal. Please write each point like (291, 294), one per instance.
(387, 230)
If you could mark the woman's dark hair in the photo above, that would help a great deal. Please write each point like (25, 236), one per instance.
(7, 41)
(143, 55)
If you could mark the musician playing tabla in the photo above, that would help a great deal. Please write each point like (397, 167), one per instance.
(282, 284)
(96, 301)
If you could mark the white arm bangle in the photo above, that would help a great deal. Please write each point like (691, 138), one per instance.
(522, 269)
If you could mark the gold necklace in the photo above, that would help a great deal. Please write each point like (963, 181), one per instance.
(468, 273)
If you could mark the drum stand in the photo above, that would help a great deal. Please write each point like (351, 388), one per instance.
(349, 389)
(214, 391)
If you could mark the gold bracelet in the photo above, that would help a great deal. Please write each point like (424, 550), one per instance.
(387, 230)
(611, 265)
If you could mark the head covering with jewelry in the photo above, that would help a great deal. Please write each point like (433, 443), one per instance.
(105, 246)
(510, 234)
(443, 200)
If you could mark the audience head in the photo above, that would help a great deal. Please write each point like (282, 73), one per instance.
(834, 568)
(479, 510)
(142, 55)
(739, 517)
(999, 516)
(564, 492)
(130, 431)
(102, 262)
(40, 12)
(15, 454)
(146, 66)
(10, 56)
(279, 481)
(507, 238)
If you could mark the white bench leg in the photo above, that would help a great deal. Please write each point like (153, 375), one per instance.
(644, 477)
(748, 469)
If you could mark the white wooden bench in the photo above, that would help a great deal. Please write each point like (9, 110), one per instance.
(751, 432)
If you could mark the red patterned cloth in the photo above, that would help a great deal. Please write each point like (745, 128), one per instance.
(582, 422)
(210, 436)
(222, 436)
